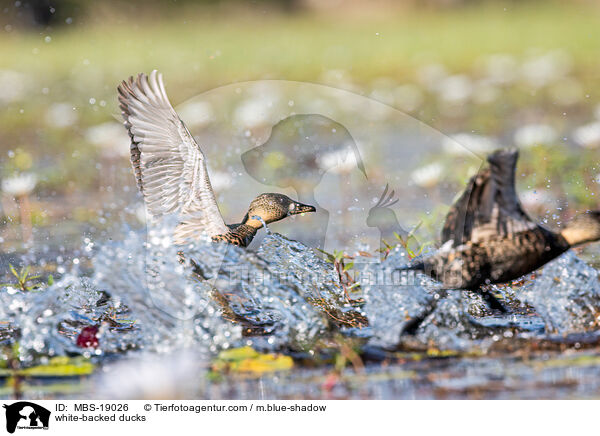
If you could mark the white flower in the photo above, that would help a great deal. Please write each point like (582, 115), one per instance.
(110, 137)
(338, 161)
(140, 213)
(588, 135)
(61, 115)
(500, 69)
(566, 92)
(468, 143)
(485, 92)
(196, 113)
(541, 70)
(220, 180)
(427, 175)
(455, 89)
(19, 185)
(382, 95)
(431, 75)
(597, 112)
(254, 112)
(535, 134)
(14, 86)
(408, 97)
(339, 78)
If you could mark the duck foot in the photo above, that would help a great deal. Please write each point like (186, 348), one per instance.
(413, 325)
(492, 302)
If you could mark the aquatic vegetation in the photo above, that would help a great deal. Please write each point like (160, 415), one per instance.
(131, 309)
(60, 366)
(247, 360)
(24, 278)
(339, 259)
(284, 298)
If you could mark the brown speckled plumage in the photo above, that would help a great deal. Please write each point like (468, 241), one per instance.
(269, 207)
(488, 238)
(171, 173)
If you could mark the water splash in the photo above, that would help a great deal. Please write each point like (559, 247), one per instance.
(408, 309)
(143, 293)
(566, 295)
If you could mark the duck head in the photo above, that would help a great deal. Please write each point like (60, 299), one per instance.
(273, 207)
(583, 228)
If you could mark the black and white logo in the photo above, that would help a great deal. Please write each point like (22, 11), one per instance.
(26, 415)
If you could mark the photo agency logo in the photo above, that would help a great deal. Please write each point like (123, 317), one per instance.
(285, 172)
(25, 415)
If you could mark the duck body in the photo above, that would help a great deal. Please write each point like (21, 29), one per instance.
(488, 238)
(239, 234)
(495, 260)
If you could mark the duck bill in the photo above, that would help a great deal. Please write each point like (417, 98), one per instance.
(303, 208)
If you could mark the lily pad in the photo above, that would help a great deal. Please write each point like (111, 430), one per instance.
(248, 360)
(56, 367)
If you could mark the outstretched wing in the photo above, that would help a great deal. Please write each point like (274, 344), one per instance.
(169, 166)
(489, 206)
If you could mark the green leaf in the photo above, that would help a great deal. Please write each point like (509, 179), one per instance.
(61, 366)
(238, 353)
(330, 257)
(24, 273)
(415, 228)
(16, 349)
(248, 360)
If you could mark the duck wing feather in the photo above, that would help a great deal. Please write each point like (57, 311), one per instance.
(489, 207)
(169, 166)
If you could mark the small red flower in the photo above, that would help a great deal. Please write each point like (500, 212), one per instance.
(88, 337)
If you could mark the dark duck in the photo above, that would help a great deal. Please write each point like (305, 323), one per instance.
(170, 170)
(488, 238)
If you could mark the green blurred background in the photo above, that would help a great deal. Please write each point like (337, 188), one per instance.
(524, 72)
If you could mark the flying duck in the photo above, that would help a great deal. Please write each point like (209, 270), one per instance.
(170, 170)
(488, 238)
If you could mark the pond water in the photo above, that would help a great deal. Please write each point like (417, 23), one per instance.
(160, 317)
(139, 309)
